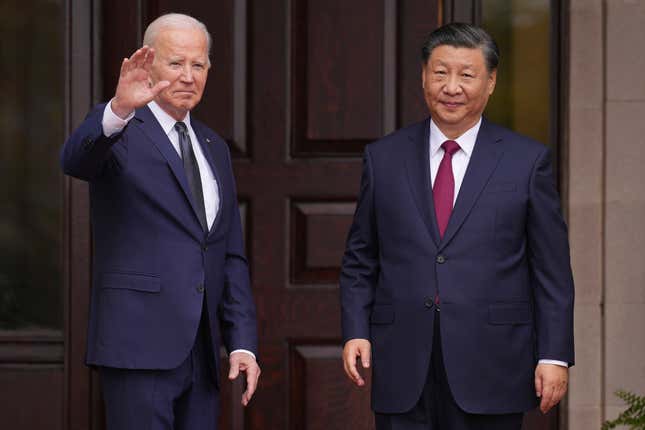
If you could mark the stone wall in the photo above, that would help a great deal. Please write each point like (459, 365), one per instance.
(606, 205)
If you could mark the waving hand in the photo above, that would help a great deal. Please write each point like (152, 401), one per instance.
(135, 87)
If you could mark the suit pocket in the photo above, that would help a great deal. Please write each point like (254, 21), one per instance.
(509, 313)
(382, 314)
(500, 187)
(131, 281)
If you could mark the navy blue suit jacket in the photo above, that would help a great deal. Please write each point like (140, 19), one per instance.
(502, 272)
(153, 263)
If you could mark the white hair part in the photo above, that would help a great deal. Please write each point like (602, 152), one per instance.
(174, 21)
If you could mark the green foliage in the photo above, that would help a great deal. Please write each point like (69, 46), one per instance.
(633, 416)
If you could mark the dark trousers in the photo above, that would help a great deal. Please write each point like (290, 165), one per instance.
(184, 398)
(437, 409)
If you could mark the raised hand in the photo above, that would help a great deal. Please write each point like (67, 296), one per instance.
(135, 87)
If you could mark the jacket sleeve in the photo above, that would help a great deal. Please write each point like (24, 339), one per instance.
(88, 153)
(237, 309)
(548, 252)
(360, 265)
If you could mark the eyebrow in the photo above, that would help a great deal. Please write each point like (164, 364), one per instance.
(464, 66)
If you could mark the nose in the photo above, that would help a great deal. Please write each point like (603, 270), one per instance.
(187, 74)
(453, 85)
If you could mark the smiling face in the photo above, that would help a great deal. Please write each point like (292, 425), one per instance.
(181, 57)
(456, 87)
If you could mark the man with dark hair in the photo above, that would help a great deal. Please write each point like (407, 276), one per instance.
(170, 279)
(456, 281)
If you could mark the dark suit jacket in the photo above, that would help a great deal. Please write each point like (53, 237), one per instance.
(153, 264)
(502, 272)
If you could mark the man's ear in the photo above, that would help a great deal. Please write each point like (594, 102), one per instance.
(423, 76)
(492, 81)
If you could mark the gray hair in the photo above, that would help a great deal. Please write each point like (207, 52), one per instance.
(175, 21)
(461, 35)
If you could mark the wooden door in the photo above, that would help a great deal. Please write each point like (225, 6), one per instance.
(327, 77)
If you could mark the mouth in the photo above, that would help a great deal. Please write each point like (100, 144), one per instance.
(451, 105)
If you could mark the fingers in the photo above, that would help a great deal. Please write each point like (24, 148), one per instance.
(139, 59)
(558, 393)
(252, 376)
(349, 363)
(538, 383)
(234, 369)
(353, 349)
(149, 59)
(560, 389)
(139, 56)
(550, 385)
(353, 371)
(552, 396)
(547, 399)
(124, 67)
(159, 87)
(365, 353)
(242, 362)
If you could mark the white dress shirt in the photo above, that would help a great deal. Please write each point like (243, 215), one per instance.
(460, 160)
(112, 124)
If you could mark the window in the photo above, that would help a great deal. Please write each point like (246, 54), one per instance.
(522, 100)
(31, 134)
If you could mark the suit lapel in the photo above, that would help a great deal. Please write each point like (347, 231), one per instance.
(215, 165)
(152, 129)
(418, 171)
(483, 161)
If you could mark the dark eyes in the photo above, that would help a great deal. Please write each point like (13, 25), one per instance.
(464, 75)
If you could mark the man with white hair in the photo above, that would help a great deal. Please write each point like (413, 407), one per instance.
(170, 278)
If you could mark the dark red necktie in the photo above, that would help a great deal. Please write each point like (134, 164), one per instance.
(443, 189)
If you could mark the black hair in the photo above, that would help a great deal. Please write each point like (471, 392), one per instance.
(460, 35)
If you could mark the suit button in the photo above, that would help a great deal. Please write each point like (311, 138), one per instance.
(205, 248)
(429, 303)
(200, 288)
(441, 259)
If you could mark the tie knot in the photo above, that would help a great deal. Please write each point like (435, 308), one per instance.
(181, 127)
(450, 146)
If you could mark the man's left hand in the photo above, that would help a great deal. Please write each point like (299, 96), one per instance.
(550, 384)
(243, 362)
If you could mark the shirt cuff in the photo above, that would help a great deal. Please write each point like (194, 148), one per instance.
(112, 123)
(556, 362)
(246, 351)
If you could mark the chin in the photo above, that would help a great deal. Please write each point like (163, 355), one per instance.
(450, 119)
(184, 105)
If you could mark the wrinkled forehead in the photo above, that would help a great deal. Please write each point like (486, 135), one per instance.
(457, 55)
(182, 40)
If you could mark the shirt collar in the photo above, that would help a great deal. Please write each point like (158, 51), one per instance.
(466, 141)
(166, 121)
